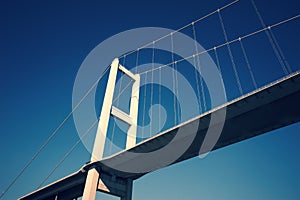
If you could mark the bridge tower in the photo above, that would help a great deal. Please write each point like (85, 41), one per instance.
(98, 180)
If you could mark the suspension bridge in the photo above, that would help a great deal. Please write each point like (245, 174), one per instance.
(135, 82)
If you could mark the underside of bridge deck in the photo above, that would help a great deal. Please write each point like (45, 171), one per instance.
(264, 110)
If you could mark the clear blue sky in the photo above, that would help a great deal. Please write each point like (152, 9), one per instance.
(43, 44)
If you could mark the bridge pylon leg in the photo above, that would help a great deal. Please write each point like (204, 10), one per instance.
(98, 149)
(128, 195)
(91, 185)
(97, 179)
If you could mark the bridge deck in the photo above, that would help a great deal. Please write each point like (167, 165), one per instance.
(266, 109)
